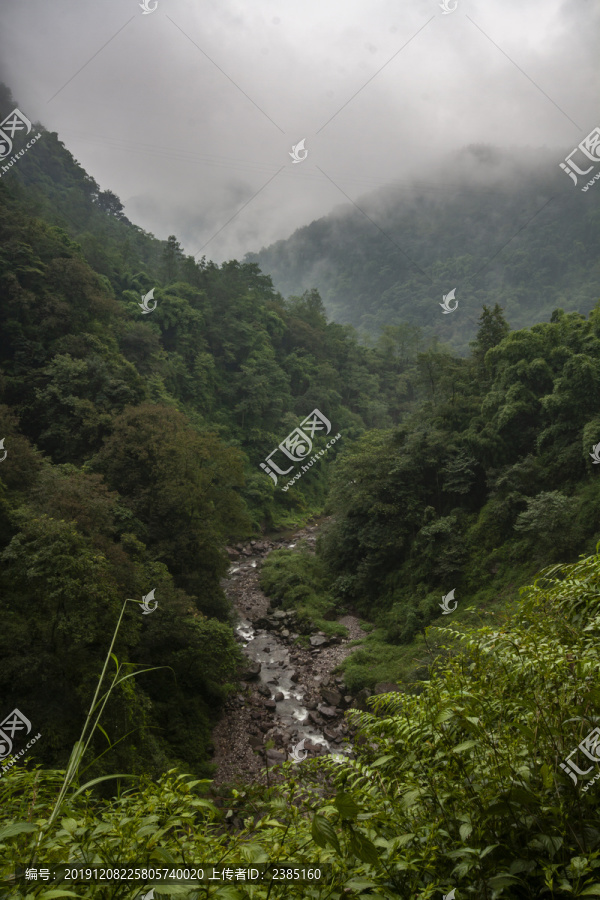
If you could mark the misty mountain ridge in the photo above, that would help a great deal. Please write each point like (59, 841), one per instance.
(498, 225)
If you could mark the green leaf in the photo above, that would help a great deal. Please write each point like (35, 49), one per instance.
(365, 849)
(323, 833)
(74, 759)
(56, 892)
(409, 798)
(346, 806)
(465, 830)
(16, 828)
(592, 890)
(69, 825)
(503, 880)
(254, 853)
(487, 850)
(101, 729)
(359, 884)
(382, 760)
(466, 745)
(94, 781)
(402, 839)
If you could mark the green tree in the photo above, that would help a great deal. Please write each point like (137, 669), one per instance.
(182, 487)
(172, 258)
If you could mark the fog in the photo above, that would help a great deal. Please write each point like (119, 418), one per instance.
(189, 113)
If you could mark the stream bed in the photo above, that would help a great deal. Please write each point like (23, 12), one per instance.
(289, 694)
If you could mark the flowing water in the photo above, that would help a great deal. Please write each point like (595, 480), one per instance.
(267, 648)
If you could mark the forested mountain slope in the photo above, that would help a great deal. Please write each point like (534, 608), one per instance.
(497, 226)
(133, 443)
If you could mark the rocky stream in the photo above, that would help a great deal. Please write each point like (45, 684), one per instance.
(288, 694)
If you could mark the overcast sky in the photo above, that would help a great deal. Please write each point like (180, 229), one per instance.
(190, 112)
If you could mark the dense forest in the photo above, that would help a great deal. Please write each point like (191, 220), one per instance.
(499, 226)
(133, 445)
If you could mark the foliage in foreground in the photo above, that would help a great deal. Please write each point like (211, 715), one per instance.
(456, 787)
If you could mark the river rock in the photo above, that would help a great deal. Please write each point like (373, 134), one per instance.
(386, 687)
(279, 614)
(285, 632)
(269, 704)
(331, 696)
(311, 704)
(251, 670)
(359, 702)
(318, 640)
(328, 711)
(275, 755)
(279, 696)
(295, 677)
(264, 690)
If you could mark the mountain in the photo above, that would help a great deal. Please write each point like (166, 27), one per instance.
(495, 225)
(131, 436)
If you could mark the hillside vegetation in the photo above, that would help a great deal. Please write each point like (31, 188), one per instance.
(133, 443)
(496, 225)
(456, 787)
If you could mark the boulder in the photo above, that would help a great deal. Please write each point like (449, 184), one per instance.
(264, 689)
(386, 687)
(250, 670)
(328, 711)
(275, 755)
(331, 696)
(269, 704)
(318, 640)
(279, 696)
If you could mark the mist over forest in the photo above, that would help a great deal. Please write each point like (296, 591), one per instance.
(299, 450)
